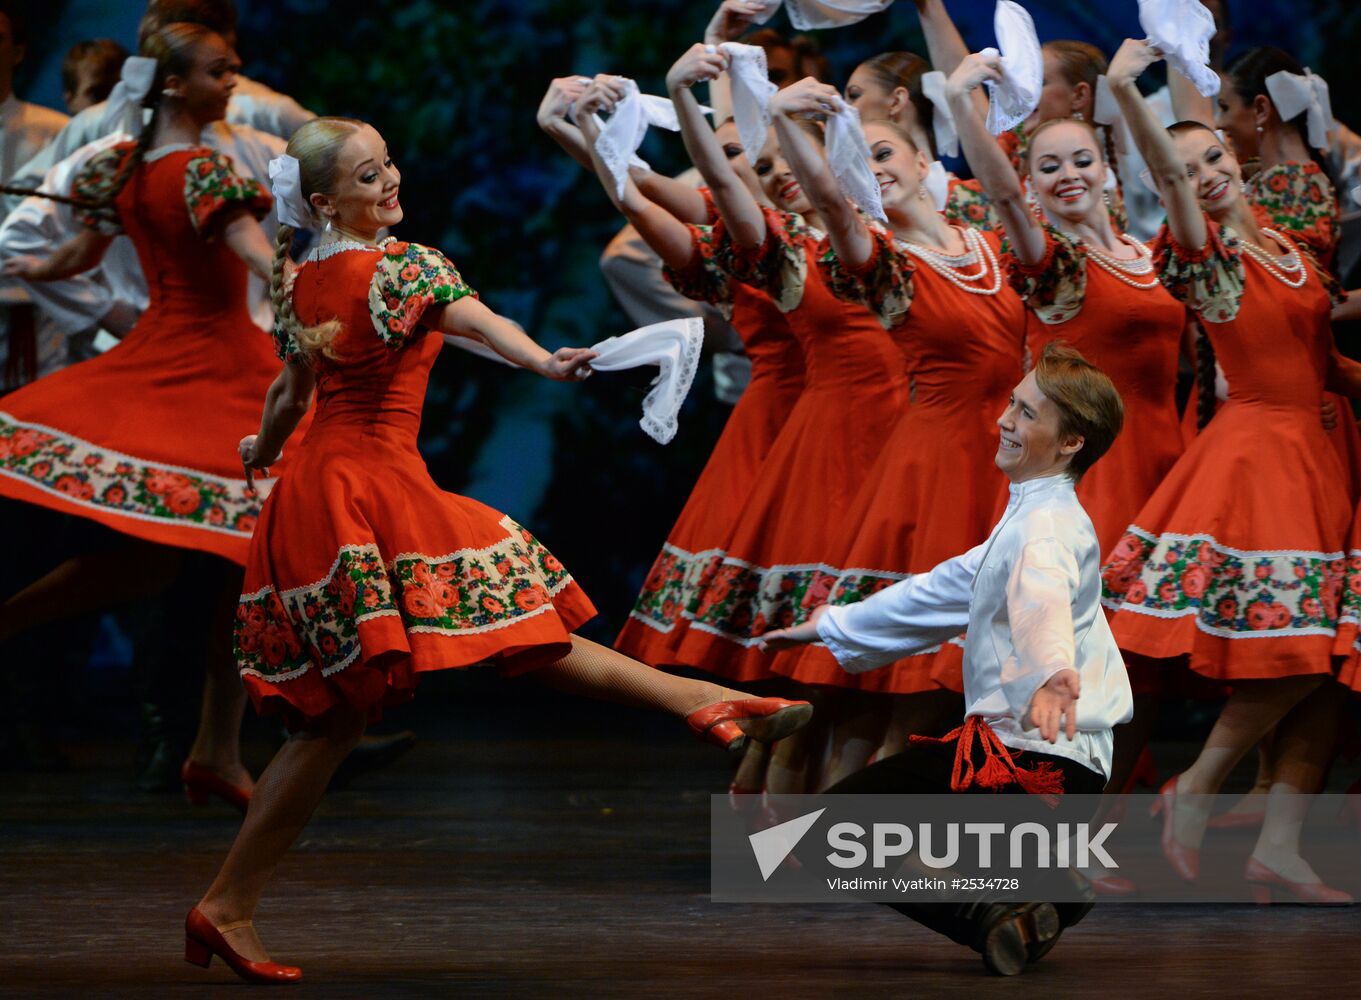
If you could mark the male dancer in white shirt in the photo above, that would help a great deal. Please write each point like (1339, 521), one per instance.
(1043, 681)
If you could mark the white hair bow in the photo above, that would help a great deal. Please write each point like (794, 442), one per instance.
(123, 110)
(626, 128)
(285, 183)
(751, 94)
(1294, 94)
(811, 15)
(1181, 30)
(942, 119)
(848, 154)
(1016, 97)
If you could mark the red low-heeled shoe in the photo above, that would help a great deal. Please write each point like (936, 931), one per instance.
(1265, 882)
(202, 941)
(730, 723)
(1185, 861)
(199, 783)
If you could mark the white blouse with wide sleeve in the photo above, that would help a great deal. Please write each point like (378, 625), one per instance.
(1030, 597)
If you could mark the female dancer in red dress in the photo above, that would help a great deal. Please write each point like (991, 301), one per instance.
(1237, 558)
(363, 573)
(141, 439)
(854, 387)
(940, 292)
(1085, 284)
(677, 222)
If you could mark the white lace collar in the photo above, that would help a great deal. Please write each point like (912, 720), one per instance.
(325, 250)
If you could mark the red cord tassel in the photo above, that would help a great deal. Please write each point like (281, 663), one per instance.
(999, 768)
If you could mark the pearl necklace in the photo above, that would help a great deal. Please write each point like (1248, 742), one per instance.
(1280, 268)
(1123, 269)
(948, 266)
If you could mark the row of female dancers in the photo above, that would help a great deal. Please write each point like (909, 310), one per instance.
(862, 450)
(357, 573)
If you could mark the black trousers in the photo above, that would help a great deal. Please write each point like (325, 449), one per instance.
(926, 769)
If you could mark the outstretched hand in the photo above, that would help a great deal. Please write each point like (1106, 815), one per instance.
(569, 364)
(787, 638)
(1054, 706)
(1133, 57)
(700, 62)
(562, 93)
(732, 18)
(972, 70)
(807, 97)
(252, 461)
(23, 266)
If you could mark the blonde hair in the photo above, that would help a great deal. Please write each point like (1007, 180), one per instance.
(316, 146)
(1088, 403)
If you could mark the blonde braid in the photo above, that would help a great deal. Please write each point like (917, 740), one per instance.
(313, 341)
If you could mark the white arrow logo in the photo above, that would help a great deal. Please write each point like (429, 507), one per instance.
(772, 846)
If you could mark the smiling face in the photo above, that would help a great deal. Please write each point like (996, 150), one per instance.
(777, 179)
(1030, 443)
(1067, 171)
(207, 86)
(1214, 172)
(899, 168)
(365, 197)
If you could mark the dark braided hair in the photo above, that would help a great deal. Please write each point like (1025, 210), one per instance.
(1082, 62)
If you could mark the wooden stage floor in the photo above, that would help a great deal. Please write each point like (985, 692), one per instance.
(571, 863)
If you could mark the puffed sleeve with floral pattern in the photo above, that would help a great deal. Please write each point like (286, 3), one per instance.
(1055, 286)
(883, 283)
(1209, 280)
(95, 183)
(778, 267)
(214, 192)
(702, 280)
(967, 205)
(408, 280)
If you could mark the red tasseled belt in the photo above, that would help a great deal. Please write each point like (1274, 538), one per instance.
(998, 769)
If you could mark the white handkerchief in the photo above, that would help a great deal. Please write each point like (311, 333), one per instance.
(1294, 94)
(812, 15)
(751, 94)
(1181, 30)
(848, 154)
(673, 345)
(942, 119)
(623, 133)
(123, 109)
(938, 185)
(1018, 95)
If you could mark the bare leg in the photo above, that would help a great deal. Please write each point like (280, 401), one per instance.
(1305, 741)
(751, 773)
(285, 798)
(858, 724)
(217, 745)
(793, 760)
(1252, 803)
(595, 671)
(1252, 710)
(94, 581)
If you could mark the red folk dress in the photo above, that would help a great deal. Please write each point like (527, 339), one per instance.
(143, 438)
(657, 624)
(1126, 323)
(1237, 558)
(855, 390)
(362, 572)
(935, 490)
